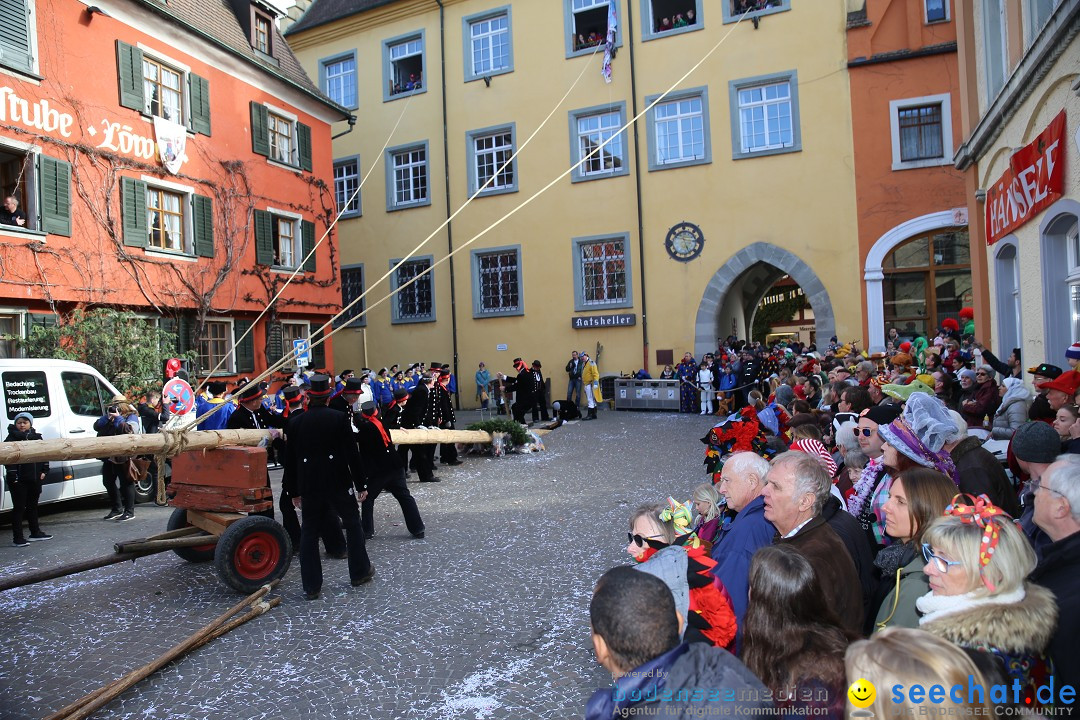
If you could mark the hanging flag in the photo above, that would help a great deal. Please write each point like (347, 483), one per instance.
(609, 44)
(171, 142)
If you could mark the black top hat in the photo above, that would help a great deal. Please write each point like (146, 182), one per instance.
(354, 385)
(320, 386)
(369, 407)
(291, 394)
(250, 391)
(536, 364)
(401, 394)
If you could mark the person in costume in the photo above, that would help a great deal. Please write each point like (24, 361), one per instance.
(687, 371)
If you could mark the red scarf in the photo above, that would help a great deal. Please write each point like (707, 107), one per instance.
(374, 419)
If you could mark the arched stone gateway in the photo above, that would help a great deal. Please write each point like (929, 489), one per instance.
(755, 268)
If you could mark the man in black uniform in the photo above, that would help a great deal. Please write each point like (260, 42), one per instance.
(322, 455)
(539, 394)
(384, 471)
(524, 390)
(447, 451)
(391, 417)
(345, 401)
(251, 415)
(332, 537)
(422, 411)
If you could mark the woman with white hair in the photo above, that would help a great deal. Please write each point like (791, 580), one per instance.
(977, 562)
(1013, 410)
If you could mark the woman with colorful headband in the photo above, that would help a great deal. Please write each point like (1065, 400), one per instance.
(660, 539)
(977, 562)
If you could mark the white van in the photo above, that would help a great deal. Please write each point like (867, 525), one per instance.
(65, 398)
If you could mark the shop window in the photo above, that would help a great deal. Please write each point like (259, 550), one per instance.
(413, 301)
(734, 10)
(337, 78)
(678, 130)
(407, 177)
(586, 23)
(936, 10)
(403, 66)
(347, 186)
(352, 287)
(921, 130)
(488, 44)
(602, 272)
(497, 284)
(765, 115)
(591, 128)
(491, 169)
(927, 279)
(670, 17)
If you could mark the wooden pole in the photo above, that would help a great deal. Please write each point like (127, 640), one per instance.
(82, 707)
(156, 546)
(35, 576)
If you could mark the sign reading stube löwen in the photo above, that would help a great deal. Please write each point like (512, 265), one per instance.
(1035, 179)
(595, 321)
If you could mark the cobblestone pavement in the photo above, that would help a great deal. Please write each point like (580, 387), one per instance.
(485, 618)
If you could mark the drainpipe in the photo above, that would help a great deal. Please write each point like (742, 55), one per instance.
(446, 183)
(352, 126)
(637, 189)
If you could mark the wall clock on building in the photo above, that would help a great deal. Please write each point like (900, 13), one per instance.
(684, 241)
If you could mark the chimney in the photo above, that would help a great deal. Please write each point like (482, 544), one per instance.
(293, 14)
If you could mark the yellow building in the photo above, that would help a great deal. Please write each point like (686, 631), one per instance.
(661, 243)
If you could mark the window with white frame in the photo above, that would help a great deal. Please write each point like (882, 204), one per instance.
(347, 186)
(765, 117)
(286, 240)
(413, 301)
(215, 345)
(163, 93)
(352, 287)
(921, 131)
(165, 218)
(338, 77)
(602, 264)
(679, 129)
(404, 59)
(489, 44)
(1039, 12)
(281, 138)
(995, 44)
(408, 177)
(18, 180)
(497, 282)
(936, 10)
(294, 331)
(588, 23)
(492, 168)
(591, 129)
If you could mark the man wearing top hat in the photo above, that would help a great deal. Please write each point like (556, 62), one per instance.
(422, 411)
(524, 387)
(251, 415)
(383, 470)
(346, 400)
(447, 451)
(322, 457)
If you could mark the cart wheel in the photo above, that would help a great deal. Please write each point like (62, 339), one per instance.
(252, 552)
(198, 553)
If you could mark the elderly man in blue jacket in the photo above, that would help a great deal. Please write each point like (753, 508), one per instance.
(742, 482)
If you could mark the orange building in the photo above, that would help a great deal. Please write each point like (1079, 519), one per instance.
(169, 158)
(911, 204)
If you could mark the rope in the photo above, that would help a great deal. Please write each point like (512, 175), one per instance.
(176, 442)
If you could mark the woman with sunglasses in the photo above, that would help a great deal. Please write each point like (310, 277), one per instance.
(916, 497)
(660, 539)
(977, 563)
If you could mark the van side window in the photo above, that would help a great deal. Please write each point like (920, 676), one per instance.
(83, 394)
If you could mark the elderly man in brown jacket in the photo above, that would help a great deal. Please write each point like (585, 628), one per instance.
(796, 489)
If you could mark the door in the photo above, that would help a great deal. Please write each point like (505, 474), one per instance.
(80, 403)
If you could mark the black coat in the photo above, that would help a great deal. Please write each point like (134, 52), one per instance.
(26, 471)
(851, 533)
(524, 386)
(538, 391)
(151, 418)
(321, 452)
(378, 458)
(980, 473)
(1059, 572)
(446, 405)
(416, 410)
(261, 419)
(289, 486)
(391, 416)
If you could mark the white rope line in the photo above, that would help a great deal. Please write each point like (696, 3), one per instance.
(300, 265)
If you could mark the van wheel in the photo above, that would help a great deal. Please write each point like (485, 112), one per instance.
(146, 489)
(199, 553)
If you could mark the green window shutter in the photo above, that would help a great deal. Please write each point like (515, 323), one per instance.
(133, 210)
(318, 353)
(129, 66)
(264, 238)
(55, 192)
(307, 243)
(245, 349)
(168, 325)
(185, 330)
(34, 320)
(204, 225)
(15, 35)
(199, 92)
(303, 145)
(275, 344)
(260, 130)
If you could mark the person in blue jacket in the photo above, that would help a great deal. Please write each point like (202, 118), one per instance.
(218, 420)
(742, 482)
(382, 389)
